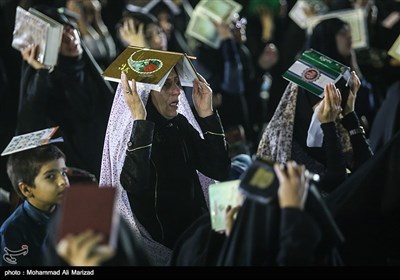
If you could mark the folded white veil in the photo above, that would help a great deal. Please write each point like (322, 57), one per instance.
(115, 143)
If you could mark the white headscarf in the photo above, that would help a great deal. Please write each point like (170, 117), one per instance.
(118, 133)
(315, 134)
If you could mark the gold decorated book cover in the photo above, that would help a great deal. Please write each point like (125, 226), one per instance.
(149, 66)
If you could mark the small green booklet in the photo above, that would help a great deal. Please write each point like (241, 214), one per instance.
(221, 195)
(313, 70)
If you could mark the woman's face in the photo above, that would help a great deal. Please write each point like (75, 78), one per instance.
(343, 41)
(71, 43)
(166, 101)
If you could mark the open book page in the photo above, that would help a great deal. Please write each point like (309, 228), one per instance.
(313, 70)
(221, 195)
(356, 19)
(186, 71)
(31, 140)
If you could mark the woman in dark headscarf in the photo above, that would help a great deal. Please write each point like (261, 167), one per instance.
(288, 226)
(199, 245)
(72, 95)
(298, 132)
(333, 38)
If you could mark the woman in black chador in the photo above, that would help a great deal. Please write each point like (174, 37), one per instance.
(72, 95)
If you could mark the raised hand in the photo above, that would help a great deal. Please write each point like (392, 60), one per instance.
(224, 30)
(84, 249)
(351, 100)
(202, 97)
(29, 55)
(292, 190)
(329, 109)
(230, 215)
(132, 98)
(129, 34)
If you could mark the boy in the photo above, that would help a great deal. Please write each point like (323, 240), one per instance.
(39, 176)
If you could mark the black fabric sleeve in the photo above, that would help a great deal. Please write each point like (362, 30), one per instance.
(80, 90)
(33, 100)
(335, 172)
(299, 236)
(211, 153)
(361, 149)
(136, 169)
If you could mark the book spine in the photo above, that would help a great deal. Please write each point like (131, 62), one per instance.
(329, 66)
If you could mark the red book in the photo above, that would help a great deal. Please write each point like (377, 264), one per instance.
(89, 207)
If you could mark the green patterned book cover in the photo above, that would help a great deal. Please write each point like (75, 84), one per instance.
(313, 70)
(151, 67)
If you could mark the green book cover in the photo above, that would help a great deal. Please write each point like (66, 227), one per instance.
(313, 70)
